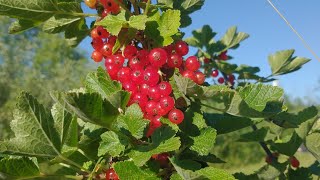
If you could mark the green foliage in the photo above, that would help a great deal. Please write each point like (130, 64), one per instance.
(92, 129)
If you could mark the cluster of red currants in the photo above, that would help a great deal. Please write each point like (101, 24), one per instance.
(141, 72)
(294, 162)
(109, 6)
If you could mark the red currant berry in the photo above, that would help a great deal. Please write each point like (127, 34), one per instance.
(107, 49)
(109, 60)
(165, 88)
(144, 88)
(221, 80)
(154, 93)
(103, 33)
(94, 33)
(118, 59)
(124, 74)
(111, 174)
(130, 51)
(151, 76)
(268, 159)
(160, 110)
(143, 56)
(97, 43)
(181, 48)
(294, 162)
(137, 76)
(215, 73)
(200, 78)
(151, 108)
(207, 60)
(130, 86)
(169, 48)
(105, 13)
(223, 56)
(112, 70)
(96, 56)
(167, 103)
(157, 57)
(175, 60)
(231, 78)
(135, 63)
(192, 63)
(155, 122)
(140, 99)
(112, 40)
(91, 3)
(189, 74)
(176, 116)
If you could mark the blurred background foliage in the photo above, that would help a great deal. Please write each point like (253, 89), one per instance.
(39, 63)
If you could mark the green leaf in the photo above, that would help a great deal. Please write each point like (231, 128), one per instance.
(163, 140)
(58, 24)
(112, 143)
(127, 169)
(124, 38)
(19, 167)
(204, 143)
(132, 122)
(167, 3)
(22, 25)
(254, 136)
(100, 82)
(187, 7)
(183, 169)
(257, 96)
(313, 144)
(66, 125)
(138, 21)
(90, 107)
(113, 23)
(201, 37)
(169, 24)
(232, 39)
(214, 173)
(188, 87)
(283, 62)
(226, 67)
(300, 173)
(225, 123)
(76, 32)
(34, 130)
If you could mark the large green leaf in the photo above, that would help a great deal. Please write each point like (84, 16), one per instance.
(66, 125)
(126, 169)
(33, 126)
(313, 144)
(214, 173)
(257, 96)
(283, 62)
(90, 107)
(19, 167)
(169, 24)
(132, 122)
(163, 140)
(187, 7)
(201, 37)
(57, 16)
(203, 144)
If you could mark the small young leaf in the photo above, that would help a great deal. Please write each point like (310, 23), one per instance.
(22, 25)
(112, 144)
(204, 143)
(132, 122)
(127, 169)
(169, 23)
(113, 23)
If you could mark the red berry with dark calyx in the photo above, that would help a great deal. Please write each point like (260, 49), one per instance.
(118, 59)
(294, 162)
(107, 49)
(165, 88)
(221, 80)
(154, 93)
(176, 116)
(192, 63)
(135, 63)
(151, 108)
(137, 75)
(144, 88)
(167, 103)
(160, 110)
(130, 86)
(215, 73)
(157, 57)
(97, 43)
(111, 174)
(231, 78)
(151, 76)
(112, 70)
(200, 78)
(155, 122)
(97, 56)
(130, 51)
(223, 56)
(174, 61)
(140, 99)
(94, 33)
(103, 33)
(181, 48)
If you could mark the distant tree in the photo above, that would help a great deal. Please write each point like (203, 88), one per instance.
(35, 62)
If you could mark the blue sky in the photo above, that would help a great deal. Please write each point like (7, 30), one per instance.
(268, 34)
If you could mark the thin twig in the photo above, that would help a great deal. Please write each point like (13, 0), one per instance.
(305, 43)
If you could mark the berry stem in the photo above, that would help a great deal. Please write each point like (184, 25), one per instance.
(147, 8)
(123, 6)
(135, 7)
